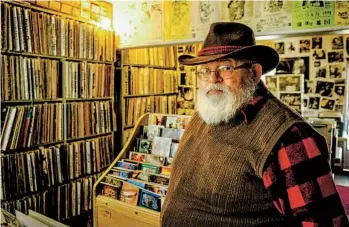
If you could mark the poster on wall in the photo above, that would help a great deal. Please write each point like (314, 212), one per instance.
(273, 16)
(150, 21)
(177, 20)
(127, 23)
(240, 11)
(139, 22)
(341, 12)
(203, 14)
(312, 14)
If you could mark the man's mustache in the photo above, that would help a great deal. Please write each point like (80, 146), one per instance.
(219, 87)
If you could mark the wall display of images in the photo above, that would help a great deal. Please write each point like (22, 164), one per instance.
(139, 21)
(157, 22)
(322, 60)
(127, 14)
(312, 14)
(177, 20)
(185, 101)
(328, 67)
(271, 16)
(203, 14)
(271, 82)
(291, 48)
(297, 65)
(313, 103)
(187, 81)
(188, 49)
(304, 46)
(341, 16)
(238, 11)
(151, 20)
(288, 88)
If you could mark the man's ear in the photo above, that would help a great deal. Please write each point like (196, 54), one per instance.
(257, 70)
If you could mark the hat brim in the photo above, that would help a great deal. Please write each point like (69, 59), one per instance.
(264, 55)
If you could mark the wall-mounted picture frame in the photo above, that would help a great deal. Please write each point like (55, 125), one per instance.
(290, 83)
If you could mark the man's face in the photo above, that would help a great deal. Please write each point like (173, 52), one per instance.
(219, 99)
(233, 83)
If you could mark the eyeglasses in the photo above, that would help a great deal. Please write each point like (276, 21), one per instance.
(224, 72)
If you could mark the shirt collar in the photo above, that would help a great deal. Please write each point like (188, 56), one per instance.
(249, 112)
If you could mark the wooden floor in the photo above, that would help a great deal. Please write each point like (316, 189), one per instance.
(341, 179)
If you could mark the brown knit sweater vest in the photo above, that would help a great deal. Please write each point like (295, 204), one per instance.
(217, 172)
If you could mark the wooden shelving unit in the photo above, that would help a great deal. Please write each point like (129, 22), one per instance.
(88, 146)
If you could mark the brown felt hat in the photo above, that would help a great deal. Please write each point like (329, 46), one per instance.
(229, 39)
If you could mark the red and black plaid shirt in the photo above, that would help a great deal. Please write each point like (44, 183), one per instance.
(298, 176)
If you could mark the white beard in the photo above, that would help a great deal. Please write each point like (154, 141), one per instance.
(215, 109)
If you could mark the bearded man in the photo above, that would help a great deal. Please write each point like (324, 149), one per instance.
(246, 159)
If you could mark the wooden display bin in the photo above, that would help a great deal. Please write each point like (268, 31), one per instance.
(109, 211)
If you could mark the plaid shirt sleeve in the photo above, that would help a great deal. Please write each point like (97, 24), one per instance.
(300, 181)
